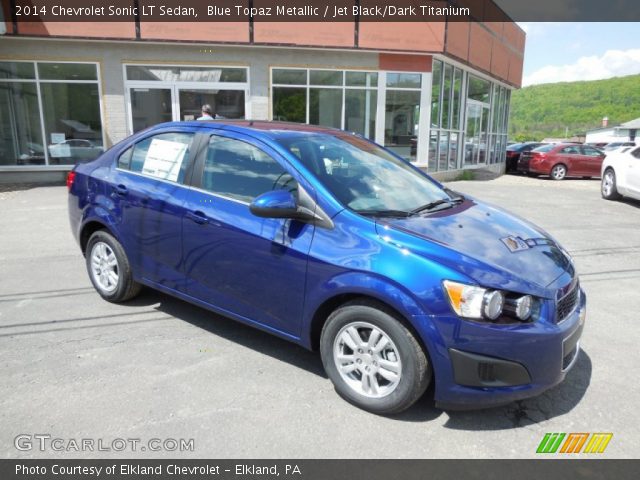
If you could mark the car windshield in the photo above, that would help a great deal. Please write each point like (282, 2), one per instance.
(515, 147)
(545, 148)
(363, 176)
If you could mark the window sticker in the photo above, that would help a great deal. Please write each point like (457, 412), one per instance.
(164, 159)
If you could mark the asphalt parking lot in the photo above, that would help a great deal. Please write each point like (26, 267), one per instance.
(74, 366)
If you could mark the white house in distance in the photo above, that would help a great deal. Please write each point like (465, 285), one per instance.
(627, 131)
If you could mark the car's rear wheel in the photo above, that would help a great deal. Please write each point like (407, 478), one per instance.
(608, 185)
(558, 172)
(109, 268)
(373, 360)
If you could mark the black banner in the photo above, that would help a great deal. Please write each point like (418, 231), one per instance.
(320, 469)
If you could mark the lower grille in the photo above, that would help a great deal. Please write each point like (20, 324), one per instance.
(567, 304)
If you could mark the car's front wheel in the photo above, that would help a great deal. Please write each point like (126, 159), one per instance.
(608, 185)
(109, 268)
(373, 360)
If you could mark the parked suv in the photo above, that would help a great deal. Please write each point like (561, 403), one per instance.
(330, 241)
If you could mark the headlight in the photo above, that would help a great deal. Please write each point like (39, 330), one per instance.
(492, 304)
(471, 301)
(520, 307)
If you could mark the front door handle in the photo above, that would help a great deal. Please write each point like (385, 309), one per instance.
(121, 190)
(198, 217)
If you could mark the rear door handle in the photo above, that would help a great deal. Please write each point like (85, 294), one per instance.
(198, 217)
(121, 190)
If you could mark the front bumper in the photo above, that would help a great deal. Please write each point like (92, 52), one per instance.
(480, 365)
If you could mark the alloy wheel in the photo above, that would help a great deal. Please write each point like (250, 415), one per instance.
(607, 183)
(104, 267)
(367, 359)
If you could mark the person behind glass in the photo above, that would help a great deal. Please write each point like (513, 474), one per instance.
(207, 113)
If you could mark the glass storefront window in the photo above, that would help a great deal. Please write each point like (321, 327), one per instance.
(360, 108)
(334, 98)
(443, 151)
(446, 96)
(446, 103)
(20, 132)
(453, 151)
(401, 125)
(478, 89)
(290, 104)
(325, 107)
(73, 129)
(436, 84)
(289, 77)
(17, 70)
(404, 80)
(150, 106)
(67, 71)
(225, 103)
(154, 73)
(64, 98)
(361, 79)
(457, 92)
(325, 77)
(433, 151)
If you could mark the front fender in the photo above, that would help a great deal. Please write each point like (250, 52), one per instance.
(359, 283)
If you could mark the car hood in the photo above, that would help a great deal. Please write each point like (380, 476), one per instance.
(495, 248)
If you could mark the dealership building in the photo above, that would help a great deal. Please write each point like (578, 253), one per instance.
(436, 93)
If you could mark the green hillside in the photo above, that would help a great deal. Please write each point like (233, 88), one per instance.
(542, 111)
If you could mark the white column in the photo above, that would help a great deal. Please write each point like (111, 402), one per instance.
(381, 107)
(424, 124)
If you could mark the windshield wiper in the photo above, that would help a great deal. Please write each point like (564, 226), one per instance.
(383, 213)
(450, 202)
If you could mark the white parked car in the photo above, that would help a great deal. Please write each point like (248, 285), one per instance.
(621, 174)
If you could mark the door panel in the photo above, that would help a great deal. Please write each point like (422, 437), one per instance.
(592, 159)
(250, 266)
(150, 206)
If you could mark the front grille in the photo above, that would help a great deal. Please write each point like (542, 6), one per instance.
(568, 303)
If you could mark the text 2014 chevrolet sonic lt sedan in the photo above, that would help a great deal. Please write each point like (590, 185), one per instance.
(328, 240)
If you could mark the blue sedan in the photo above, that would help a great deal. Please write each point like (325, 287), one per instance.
(330, 241)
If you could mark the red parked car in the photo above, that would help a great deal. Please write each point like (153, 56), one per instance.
(562, 160)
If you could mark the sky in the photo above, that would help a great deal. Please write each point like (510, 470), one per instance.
(565, 52)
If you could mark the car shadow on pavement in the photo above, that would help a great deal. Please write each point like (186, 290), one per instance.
(557, 401)
(232, 330)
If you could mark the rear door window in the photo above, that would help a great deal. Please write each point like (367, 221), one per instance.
(572, 150)
(592, 152)
(164, 156)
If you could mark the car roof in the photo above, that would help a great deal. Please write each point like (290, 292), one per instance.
(272, 129)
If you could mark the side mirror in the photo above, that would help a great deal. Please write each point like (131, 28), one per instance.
(275, 204)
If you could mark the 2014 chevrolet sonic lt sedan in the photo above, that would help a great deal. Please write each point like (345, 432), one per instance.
(329, 240)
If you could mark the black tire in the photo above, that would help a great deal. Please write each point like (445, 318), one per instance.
(612, 193)
(558, 172)
(125, 288)
(416, 372)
